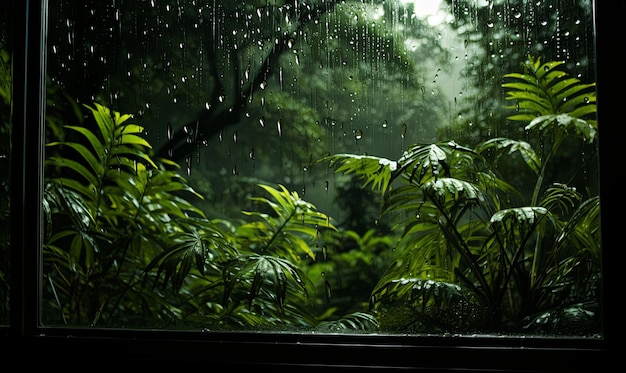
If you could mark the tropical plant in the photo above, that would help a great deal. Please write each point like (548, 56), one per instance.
(109, 208)
(262, 284)
(478, 254)
(126, 246)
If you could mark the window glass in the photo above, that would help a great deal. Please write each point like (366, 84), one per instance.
(5, 174)
(416, 167)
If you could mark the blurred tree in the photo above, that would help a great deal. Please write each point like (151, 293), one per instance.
(242, 91)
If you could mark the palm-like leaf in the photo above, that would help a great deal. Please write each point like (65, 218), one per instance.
(286, 232)
(271, 246)
(192, 249)
(543, 89)
(112, 209)
(354, 322)
(505, 146)
(425, 305)
(548, 98)
(375, 171)
(423, 163)
(257, 273)
(112, 155)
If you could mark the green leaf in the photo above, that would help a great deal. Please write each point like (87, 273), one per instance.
(260, 272)
(514, 146)
(295, 219)
(525, 215)
(544, 90)
(564, 123)
(375, 171)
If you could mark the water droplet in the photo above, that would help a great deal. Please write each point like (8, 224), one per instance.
(189, 163)
(170, 133)
(329, 293)
(358, 134)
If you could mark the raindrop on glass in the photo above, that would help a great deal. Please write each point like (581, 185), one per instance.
(358, 134)
(170, 133)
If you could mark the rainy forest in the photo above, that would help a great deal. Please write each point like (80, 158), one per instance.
(354, 166)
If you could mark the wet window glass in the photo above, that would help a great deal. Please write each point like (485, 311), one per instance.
(6, 74)
(420, 167)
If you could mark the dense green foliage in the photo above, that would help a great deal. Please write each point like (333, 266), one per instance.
(124, 242)
(472, 244)
(478, 233)
(468, 253)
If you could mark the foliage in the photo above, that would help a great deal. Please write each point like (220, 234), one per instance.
(262, 284)
(109, 208)
(469, 252)
(471, 259)
(497, 52)
(125, 245)
(230, 72)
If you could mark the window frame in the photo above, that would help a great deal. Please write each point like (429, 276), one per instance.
(113, 347)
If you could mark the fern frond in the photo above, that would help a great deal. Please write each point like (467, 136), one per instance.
(255, 273)
(564, 123)
(294, 220)
(544, 89)
(525, 150)
(193, 249)
(375, 171)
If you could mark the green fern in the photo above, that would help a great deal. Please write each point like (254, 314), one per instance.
(110, 208)
(543, 91)
(284, 233)
(273, 245)
(376, 172)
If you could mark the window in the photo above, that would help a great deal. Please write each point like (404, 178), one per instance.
(189, 226)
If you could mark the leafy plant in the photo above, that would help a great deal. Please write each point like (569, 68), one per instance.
(473, 258)
(109, 208)
(264, 284)
(125, 245)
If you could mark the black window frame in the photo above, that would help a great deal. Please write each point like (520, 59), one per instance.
(28, 343)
